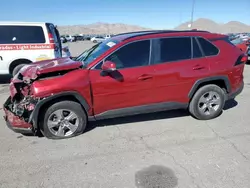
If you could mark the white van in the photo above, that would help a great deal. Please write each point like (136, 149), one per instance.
(22, 43)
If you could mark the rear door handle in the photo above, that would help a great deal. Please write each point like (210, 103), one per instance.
(198, 67)
(145, 77)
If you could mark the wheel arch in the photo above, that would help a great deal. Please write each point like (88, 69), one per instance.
(43, 104)
(221, 81)
(17, 62)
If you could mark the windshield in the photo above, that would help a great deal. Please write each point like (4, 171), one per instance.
(91, 54)
(237, 41)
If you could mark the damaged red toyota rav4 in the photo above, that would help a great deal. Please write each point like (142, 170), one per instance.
(130, 73)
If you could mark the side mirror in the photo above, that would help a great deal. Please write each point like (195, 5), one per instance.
(108, 66)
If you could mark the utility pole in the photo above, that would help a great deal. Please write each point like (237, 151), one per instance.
(192, 15)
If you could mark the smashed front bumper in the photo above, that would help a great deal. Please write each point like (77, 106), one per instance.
(15, 122)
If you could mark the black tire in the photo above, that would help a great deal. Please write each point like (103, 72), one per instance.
(17, 68)
(194, 104)
(68, 105)
(94, 41)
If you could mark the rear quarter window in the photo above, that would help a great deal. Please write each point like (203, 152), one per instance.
(196, 49)
(21, 34)
(208, 48)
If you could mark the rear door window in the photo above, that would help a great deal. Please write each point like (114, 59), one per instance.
(208, 48)
(21, 34)
(172, 49)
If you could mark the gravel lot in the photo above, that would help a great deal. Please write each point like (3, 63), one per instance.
(76, 48)
(168, 150)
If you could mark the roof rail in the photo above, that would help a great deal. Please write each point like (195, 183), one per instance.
(150, 32)
(160, 31)
(134, 32)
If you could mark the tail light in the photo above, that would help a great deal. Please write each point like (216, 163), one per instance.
(51, 38)
(52, 41)
(241, 60)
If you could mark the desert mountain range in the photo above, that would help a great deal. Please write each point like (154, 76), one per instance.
(100, 28)
(202, 24)
(210, 25)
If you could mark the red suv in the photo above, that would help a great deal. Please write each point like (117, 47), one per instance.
(130, 73)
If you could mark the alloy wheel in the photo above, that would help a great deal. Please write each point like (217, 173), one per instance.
(209, 103)
(63, 123)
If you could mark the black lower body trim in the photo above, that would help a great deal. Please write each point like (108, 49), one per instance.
(235, 93)
(157, 107)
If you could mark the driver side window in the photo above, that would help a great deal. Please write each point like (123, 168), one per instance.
(131, 55)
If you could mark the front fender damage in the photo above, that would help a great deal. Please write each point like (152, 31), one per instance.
(21, 104)
(19, 110)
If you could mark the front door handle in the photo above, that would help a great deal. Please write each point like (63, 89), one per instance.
(145, 77)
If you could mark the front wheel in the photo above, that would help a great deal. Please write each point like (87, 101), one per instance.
(208, 102)
(63, 120)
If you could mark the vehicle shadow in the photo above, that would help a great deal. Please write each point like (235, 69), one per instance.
(137, 118)
(149, 117)
(129, 119)
(230, 104)
(144, 117)
(5, 79)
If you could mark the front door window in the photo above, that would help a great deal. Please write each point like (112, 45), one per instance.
(135, 54)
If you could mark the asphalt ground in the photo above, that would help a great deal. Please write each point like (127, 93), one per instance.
(166, 150)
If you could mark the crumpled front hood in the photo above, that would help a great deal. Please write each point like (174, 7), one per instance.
(32, 71)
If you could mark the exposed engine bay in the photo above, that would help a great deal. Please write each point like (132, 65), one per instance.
(22, 102)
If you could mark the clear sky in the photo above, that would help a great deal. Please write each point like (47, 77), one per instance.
(148, 13)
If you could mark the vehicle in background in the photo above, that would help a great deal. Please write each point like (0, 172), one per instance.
(232, 36)
(107, 36)
(63, 39)
(128, 74)
(73, 39)
(244, 37)
(70, 38)
(243, 45)
(22, 43)
(86, 37)
(97, 39)
(78, 37)
(65, 51)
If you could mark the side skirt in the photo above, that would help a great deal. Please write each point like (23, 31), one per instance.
(122, 112)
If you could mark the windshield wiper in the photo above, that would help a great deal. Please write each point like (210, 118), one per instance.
(89, 51)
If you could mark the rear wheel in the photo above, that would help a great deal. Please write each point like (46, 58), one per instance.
(208, 102)
(94, 41)
(63, 120)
